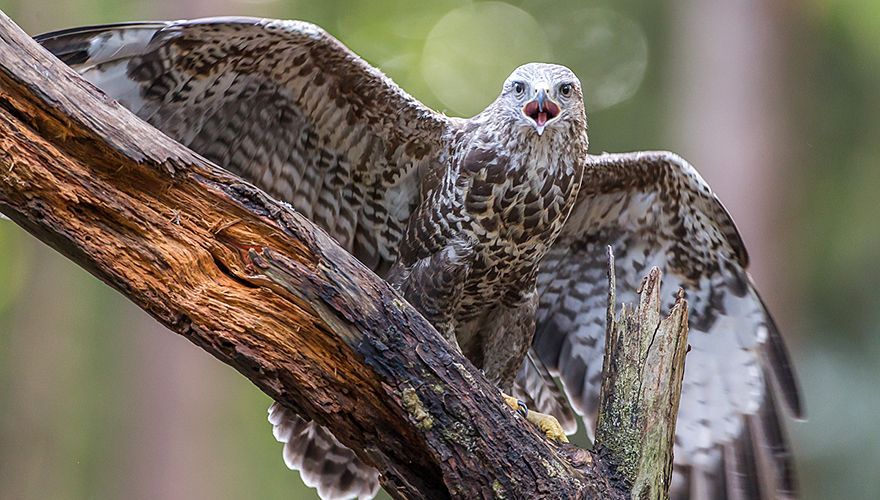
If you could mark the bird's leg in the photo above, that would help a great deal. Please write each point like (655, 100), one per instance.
(508, 340)
(548, 424)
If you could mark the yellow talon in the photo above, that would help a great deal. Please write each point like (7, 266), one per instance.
(548, 425)
(545, 423)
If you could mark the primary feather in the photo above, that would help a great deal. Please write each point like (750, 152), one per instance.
(654, 209)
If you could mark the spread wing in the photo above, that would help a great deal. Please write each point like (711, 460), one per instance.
(281, 103)
(654, 209)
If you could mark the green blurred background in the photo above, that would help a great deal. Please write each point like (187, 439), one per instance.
(776, 103)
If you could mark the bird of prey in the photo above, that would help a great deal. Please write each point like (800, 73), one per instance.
(494, 227)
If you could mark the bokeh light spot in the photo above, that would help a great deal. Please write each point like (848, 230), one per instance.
(607, 50)
(472, 49)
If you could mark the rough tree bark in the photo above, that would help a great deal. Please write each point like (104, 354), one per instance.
(642, 372)
(264, 290)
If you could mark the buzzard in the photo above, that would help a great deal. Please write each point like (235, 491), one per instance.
(494, 227)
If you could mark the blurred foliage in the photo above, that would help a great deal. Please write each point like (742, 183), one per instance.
(12, 249)
(97, 402)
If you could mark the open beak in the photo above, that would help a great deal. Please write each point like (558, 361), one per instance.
(541, 110)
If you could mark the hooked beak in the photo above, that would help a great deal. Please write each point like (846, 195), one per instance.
(541, 110)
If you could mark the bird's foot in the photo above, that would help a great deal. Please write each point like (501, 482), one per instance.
(545, 423)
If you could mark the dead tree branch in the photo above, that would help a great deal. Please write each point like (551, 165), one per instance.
(642, 372)
(264, 290)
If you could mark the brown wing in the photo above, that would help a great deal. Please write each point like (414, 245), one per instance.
(654, 209)
(283, 104)
(288, 107)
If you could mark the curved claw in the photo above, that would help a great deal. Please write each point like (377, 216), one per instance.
(522, 409)
(516, 405)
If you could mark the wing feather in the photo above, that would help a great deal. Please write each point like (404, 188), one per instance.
(324, 463)
(654, 209)
(281, 103)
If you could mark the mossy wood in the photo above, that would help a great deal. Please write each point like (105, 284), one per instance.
(642, 372)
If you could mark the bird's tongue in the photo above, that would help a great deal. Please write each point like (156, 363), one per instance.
(541, 119)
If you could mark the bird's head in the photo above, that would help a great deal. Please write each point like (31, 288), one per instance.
(543, 97)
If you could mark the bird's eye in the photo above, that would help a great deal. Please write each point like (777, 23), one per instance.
(565, 89)
(519, 87)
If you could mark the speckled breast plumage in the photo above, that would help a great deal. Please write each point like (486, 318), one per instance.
(503, 199)
(513, 218)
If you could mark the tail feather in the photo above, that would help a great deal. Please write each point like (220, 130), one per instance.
(536, 387)
(323, 462)
(756, 465)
